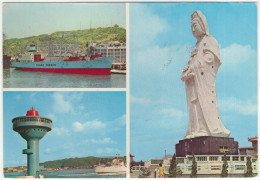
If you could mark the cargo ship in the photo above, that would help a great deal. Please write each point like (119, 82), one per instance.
(92, 64)
(117, 166)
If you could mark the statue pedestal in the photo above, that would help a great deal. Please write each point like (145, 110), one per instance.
(206, 145)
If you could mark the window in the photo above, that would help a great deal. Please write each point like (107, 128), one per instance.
(203, 158)
(213, 158)
(155, 161)
(228, 158)
(215, 167)
(235, 158)
(180, 160)
(242, 158)
(239, 167)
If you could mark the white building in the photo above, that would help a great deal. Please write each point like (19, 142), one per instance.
(212, 164)
(112, 49)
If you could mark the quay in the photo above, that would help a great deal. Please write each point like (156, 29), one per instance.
(118, 68)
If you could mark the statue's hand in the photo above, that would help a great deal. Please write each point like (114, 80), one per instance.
(187, 74)
(185, 68)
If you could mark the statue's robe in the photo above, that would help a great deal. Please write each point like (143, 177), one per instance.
(204, 118)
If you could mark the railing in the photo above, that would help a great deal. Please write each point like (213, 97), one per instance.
(34, 119)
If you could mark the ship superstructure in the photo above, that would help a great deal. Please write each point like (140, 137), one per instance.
(117, 166)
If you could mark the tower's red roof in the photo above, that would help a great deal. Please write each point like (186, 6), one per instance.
(32, 112)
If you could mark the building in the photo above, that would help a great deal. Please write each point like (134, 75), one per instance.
(112, 49)
(208, 165)
(254, 141)
(211, 165)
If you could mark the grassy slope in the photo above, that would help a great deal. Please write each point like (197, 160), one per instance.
(76, 162)
(97, 35)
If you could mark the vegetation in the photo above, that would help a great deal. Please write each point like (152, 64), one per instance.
(97, 35)
(224, 172)
(76, 162)
(249, 169)
(145, 173)
(194, 167)
(173, 171)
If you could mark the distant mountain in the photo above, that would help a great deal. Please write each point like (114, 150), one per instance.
(97, 35)
(89, 161)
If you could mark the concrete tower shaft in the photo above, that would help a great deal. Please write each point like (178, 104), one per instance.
(32, 128)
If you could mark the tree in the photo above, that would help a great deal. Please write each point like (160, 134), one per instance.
(249, 171)
(145, 173)
(173, 171)
(224, 172)
(194, 167)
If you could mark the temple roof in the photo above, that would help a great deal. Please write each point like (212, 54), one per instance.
(253, 139)
(246, 148)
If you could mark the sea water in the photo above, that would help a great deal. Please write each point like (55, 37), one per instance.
(71, 173)
(13, 78)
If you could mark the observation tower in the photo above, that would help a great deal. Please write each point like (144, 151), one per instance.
(32, 128)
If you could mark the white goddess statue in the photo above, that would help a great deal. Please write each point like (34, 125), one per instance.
(199, 76)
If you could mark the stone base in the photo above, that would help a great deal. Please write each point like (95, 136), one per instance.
(206, 145)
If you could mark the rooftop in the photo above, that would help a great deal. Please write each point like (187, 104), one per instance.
(32, 112)
(253, 139)
(246, 148)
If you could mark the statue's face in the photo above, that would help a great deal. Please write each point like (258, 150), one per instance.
(197, 30)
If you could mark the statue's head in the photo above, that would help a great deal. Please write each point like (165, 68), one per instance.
(199, 25)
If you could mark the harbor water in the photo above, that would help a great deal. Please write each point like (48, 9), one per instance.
(13, 78)
(71, 173)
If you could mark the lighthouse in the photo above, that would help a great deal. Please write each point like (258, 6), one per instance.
(32, 128)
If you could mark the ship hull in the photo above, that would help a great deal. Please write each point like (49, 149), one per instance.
(111, 169)
(99, 66)
(93, 71)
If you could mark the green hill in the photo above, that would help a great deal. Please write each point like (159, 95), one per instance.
(76, 162)
(98, 35)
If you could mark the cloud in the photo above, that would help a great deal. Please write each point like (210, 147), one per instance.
(237, 54)
(47, 150)
(244, 107)
(77, 96)
(106, 140)
(146, 31)
(85, 141)
(63, 102)
(89, 125)
(78, 126)
(51, 116)
(32, 96)
(108, 151)
(18, 97)
(140, 100)
(171, 113)
(60, 131)
(121, 120)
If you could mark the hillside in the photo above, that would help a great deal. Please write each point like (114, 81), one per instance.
(89, 161)
(98, 35)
